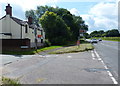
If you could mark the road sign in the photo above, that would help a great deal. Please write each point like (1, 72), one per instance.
(81, 34)
(24, 47)
(39, 36)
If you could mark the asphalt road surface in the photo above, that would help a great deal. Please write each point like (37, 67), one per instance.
(108, 51)
(74, 68)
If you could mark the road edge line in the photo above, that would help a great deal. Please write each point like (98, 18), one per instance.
(93, 55)
(109, 73)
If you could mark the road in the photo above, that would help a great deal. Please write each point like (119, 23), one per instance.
(108, 51)
(73, 68)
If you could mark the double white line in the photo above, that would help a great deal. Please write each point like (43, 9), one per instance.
(93, 53)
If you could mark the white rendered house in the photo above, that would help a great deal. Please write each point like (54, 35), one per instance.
(14, 28)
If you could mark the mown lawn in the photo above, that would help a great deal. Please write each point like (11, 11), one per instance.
(72, 49)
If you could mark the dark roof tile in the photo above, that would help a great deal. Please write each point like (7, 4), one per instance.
(3, 17)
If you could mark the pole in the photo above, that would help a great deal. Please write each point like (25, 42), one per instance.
(35, 32)
(21, 31)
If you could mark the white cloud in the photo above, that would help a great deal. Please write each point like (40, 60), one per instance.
(20, 6)
(102, 16)
(54, 6)
(0, 10)
(74, 11)
(28, 4)
(104, 10)
(87, 0)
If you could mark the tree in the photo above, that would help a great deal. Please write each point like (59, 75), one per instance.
(100, 33)
(86, 35)
(108, 33)
(32, 13)
(56, 30)
(112, 33)
(94, 34)
(72, 22)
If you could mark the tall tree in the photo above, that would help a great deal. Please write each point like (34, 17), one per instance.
(56, 30)
(112, 33)
(74, 23)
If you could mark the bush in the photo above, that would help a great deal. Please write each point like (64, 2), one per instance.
(47, 43)
(10, 82)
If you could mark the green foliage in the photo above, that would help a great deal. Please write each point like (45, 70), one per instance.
(47, 43)
(56, 30)
(112, 33)
(72, 49)
(86, 35)
(109, 33)
(59, 24)
(109, 38)
(8, 81)
(48, 48)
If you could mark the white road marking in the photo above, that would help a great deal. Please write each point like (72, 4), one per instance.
(109, 73)
(92, 51)
(93, 55)
(105, 67)
(113, 79)
(69, 56)
(97, 55)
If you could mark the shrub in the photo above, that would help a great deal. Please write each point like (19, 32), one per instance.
(47, 43)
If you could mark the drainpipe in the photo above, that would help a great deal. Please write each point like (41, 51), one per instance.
(35, 33)
(21, 31)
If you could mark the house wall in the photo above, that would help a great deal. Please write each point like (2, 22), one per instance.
(15, 29)
(30, 35)
(8, 25)
(4, 25)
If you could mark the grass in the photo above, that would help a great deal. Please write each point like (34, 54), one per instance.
(30, 52)
(72, 49)
(109, 38)
(8, 81)
(48, 48)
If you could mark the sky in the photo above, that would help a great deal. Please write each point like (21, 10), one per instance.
(97, 14)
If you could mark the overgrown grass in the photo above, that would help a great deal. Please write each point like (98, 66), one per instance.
(30, 52)
(11, 82)
(72, 49)
(109, 38)
(48, 48)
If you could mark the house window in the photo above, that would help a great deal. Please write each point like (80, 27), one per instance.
(26, 29)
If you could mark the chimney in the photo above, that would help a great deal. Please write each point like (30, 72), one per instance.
(30, 20)
(8, 10)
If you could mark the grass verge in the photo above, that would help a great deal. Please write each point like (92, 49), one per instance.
(8, 81)
(109, 38)
(72, 49)
(30, 52)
